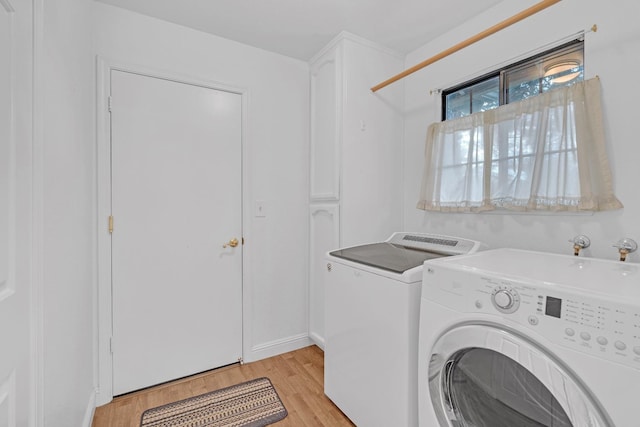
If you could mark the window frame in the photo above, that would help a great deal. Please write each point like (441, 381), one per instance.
(501, 73)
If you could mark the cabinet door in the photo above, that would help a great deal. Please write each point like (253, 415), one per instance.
(326, 113)
(325, 236)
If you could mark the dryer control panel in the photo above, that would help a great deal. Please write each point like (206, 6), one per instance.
(602, 327)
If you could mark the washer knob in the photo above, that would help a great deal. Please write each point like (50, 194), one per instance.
(503, 299)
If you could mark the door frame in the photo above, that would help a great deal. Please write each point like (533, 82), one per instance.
(104, 315)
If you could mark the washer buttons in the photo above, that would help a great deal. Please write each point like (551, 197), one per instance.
(570, 332)
(620, 345)
(533, 320)
(585, 336)
(478, 304)
(602, 340)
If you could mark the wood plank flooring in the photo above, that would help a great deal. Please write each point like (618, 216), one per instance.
(298, 377)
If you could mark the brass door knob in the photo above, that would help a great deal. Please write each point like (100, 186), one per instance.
(233, 243)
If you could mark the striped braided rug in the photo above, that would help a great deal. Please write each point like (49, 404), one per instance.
(254, 403)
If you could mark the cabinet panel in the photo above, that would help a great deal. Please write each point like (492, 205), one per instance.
(7, 150)
(325, 236)
(325, 127)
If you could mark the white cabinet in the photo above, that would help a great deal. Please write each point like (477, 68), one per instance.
(326, 117)
(325, 236)
(356, 155)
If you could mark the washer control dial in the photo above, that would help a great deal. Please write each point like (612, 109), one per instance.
(505, 299)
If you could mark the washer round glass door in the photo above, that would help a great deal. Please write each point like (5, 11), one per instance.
(486, 376)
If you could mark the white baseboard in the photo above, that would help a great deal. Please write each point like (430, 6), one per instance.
(274, 348)
(317, 340)
(91, 408)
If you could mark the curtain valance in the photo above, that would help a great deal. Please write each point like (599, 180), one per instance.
(546, 152)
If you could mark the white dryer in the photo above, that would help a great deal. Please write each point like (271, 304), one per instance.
(519, 338)
(372, 310)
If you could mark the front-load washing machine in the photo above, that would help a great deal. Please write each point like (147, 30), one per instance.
(372, 308)
(518, 338)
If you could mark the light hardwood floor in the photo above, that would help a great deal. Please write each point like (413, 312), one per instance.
(298, 377)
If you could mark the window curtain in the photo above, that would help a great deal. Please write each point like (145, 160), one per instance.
(546, 153)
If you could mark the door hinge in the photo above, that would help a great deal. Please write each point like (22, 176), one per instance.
(243, 240)
(110, 224)
(111, 344)
(109, 100)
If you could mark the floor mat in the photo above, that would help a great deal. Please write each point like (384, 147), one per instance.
(254, 403)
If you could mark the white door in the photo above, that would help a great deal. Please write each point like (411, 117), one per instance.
(176, 200)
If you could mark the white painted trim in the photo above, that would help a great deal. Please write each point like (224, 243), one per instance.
(8, 286)
(91, 408)
(325, 50)
(317, 340)
(247, 217)
(37, 219)
(274, 348)
(170, 75)
(345, 35)
(371, 45)
(7, 6)
(104, 392)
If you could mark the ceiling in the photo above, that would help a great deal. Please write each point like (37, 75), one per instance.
(300, 28)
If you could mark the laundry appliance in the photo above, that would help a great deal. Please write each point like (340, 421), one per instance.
(520, 338)
(372, 305)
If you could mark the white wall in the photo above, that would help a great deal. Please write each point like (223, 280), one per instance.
(371, 145)
(610, 53)
(66, 185)
(276, 158)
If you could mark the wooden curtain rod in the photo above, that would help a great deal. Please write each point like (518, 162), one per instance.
(471, 40)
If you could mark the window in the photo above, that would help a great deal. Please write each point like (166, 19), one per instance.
(545, 152)
(555, 68)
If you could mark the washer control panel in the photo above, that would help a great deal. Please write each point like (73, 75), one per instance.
(601, 327)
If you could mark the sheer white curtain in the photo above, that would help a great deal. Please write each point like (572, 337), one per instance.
(546, 152)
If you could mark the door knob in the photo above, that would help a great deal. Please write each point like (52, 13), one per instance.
(233, 243)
